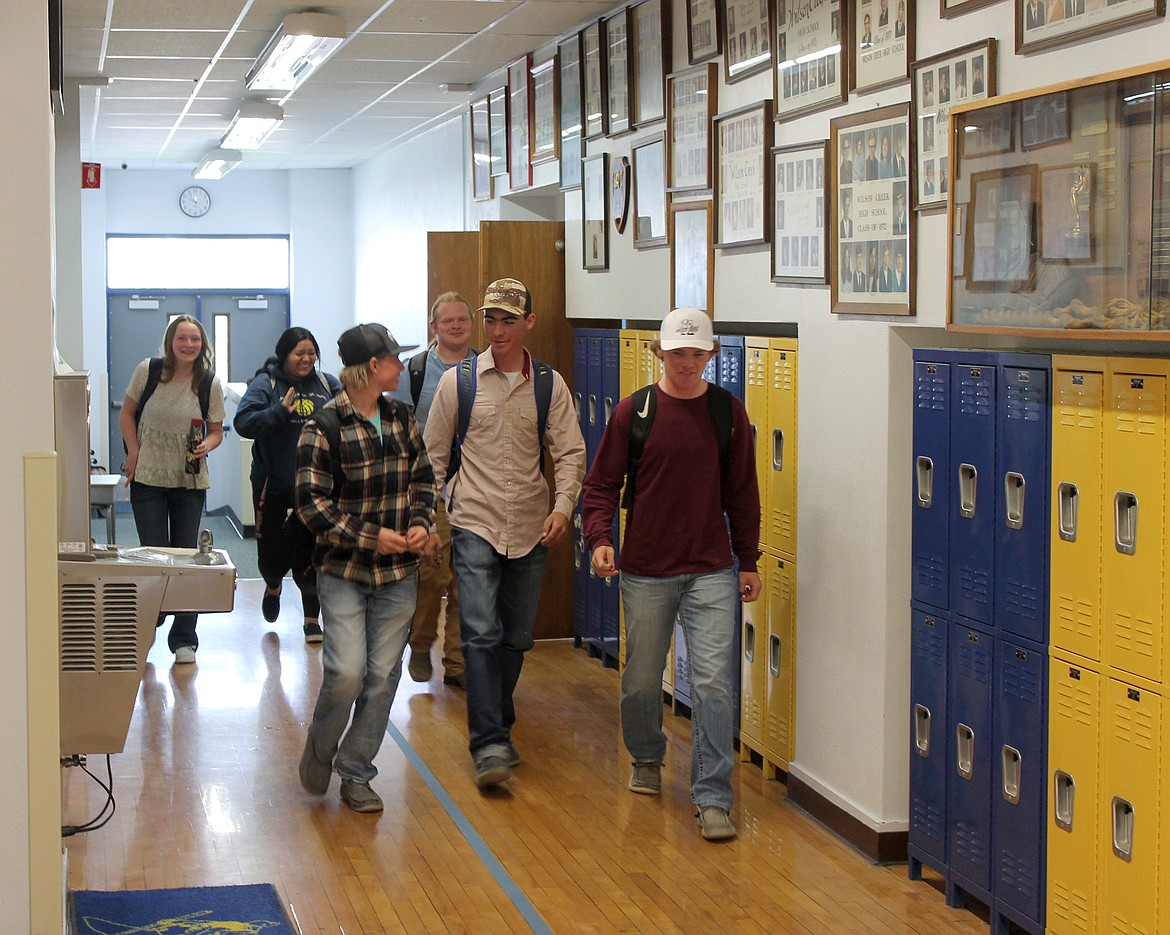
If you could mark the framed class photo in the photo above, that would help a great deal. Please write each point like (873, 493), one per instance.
(498, 131)
(546, 130)
(809, 73)
(1042, 24)
(704, 36)
(1001, 230)
(519, 124)
(955, 77)
(650, 31)
(798, 213)
(747, 28)
(872, 244)
(481, 157)
(649, 192)
(595, 212)
(692, 256)
(881, 43)
(569, 112)
(691, 104)
(618, 68)
(743, 144)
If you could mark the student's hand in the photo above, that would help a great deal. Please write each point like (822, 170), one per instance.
(416, 539)
(433, 551)
(287, 402)
(749, 586)
(556, 525)
(390, 542)
(128, 467)
(602, 562)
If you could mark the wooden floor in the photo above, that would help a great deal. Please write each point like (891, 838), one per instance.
(207, 794)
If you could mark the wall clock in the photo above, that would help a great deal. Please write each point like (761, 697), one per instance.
(194, 201)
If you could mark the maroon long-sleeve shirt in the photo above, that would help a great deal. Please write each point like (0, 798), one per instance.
(677, 522)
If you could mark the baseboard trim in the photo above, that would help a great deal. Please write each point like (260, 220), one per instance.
(887, 847)
(226, 512)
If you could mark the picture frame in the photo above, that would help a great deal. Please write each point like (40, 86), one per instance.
(818, 80)
(569, 113)
(651, 43)
(545, 125)
(618, 68)
(742, 143)
(692, 256)
(949, 8)
(1001, 245)
(1067, 199)
(498, 130)
(619, 191)
(799, 219)
(991, 130)
(881, 43)
(1044, 24)
(961, 75)
(704, 30)
(595, 212)
(519, 124)
(871, 246)
(692, 100)
(747, 37)
(649, 157)
(1044, 121)
(481, 156)
(593, 82)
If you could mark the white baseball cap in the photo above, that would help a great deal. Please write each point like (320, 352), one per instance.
(686, 327)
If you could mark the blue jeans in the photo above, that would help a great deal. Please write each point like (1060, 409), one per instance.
(705, 604)
(169, 517)
(365, 633)
(498, 597)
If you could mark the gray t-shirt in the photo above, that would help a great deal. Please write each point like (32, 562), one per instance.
(434, 370)
(162, 430)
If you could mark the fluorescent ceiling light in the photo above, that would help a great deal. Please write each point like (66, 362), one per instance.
(303, 41)
(252, 125)
(216, 164)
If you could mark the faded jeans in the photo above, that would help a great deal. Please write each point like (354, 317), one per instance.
(705, 604)
(365, 634)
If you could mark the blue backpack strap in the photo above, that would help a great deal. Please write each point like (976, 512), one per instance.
(542, 380)
(465, 385)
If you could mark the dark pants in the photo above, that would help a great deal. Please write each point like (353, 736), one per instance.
(279, 551)
(169, 517)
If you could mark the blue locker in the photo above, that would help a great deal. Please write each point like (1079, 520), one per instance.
(930, 536)
(929, 734)
(730, 361)
(1020, 787)
(1023, 433)
(580, 559)
(973, 482)
(593, 388)
(969, 713)
(580, 379)
(609, 392)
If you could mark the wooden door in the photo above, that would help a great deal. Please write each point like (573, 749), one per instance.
(453, 266)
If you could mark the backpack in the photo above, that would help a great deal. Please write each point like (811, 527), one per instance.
(417, 365)
(320, 376)
(644, 403)
(154, 377)
(542, 385)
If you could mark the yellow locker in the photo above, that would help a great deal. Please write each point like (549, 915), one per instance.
(780, 700)
(1074, 724)
(1130, 819)
(779, 528)
(753, 687)
(757, 360)
(1134, 547)
(1078, 415)
(629, 349)
(649, 366)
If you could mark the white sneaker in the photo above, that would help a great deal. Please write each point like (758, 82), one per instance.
(184, 655)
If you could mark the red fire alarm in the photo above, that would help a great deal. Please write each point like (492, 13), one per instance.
(91, 175)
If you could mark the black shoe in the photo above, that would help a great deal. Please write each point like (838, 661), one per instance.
(313, 632)
(455, 681)
(491, 771)
(270, 606)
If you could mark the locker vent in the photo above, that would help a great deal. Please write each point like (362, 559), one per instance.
(1020, 876)
(99, 626)
(1134, 727)
(974, 587)
(1079, 406)
(1139, 410)
(1074, 703)
(970, 842)
(930, 573)
(784, 373)
(1071, 907)
(975, 394)
(1074, 619)
(1026, 401)
(1134, 636)
(926, 817)
(972, 663)
(1020, 681)
(1022, 600)
(930, 391)
(930, 646)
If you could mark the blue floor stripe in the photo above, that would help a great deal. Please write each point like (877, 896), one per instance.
(494, 867)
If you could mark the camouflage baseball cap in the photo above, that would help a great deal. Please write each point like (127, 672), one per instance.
(508, 295)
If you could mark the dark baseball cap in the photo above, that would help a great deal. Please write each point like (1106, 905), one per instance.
(361, 342)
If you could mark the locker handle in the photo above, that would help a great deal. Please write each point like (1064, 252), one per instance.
(777, 449)
(774, 656)
(965, 751)
(577, 550)
(968, 480)
(1068, 500)
(1125, 520)
(922, 730)
(1012, 768)
(1013, 499)
(577, 405)
(1123, 828)
(1065, 798)
(924, 470)
(607, 409)
(592, 409)
(749, 642)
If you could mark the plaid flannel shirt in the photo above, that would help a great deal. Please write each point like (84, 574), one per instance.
(388, 483)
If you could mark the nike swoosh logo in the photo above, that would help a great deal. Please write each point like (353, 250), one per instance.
(645, 408)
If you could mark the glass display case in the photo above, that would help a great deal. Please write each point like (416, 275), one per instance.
(1060, 209)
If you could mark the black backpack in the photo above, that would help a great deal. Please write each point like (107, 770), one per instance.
(417, 366)
(644, 403)
(154, 377)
